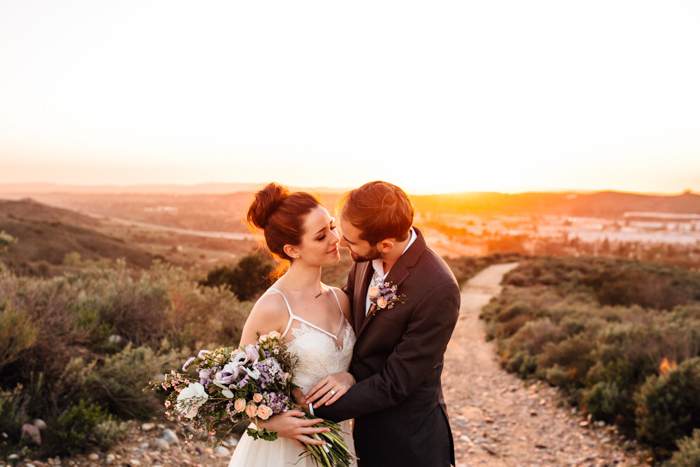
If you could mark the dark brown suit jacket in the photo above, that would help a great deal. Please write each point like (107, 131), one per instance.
(400, 415)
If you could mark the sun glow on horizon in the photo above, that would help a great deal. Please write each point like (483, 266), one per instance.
(440, 98)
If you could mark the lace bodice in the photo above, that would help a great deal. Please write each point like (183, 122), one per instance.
(320, 353)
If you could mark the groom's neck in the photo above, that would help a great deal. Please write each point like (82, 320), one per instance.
(391, 257)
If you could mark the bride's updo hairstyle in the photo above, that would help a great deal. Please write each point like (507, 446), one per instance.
(280, 215)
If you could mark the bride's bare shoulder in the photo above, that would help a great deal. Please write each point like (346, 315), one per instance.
(268, 314)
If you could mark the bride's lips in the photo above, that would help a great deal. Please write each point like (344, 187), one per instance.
(333, 251)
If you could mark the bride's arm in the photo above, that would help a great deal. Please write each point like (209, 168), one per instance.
(270, 314)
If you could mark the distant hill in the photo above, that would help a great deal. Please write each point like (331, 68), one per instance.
(47, 233)
(603, 204)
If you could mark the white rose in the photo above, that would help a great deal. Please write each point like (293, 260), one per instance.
(191, 399)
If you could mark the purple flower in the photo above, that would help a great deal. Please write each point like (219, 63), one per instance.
(251, 350)
(226, 376)
(187, 363)
(202, 353)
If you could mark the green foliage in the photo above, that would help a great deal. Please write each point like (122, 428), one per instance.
(70, 431)
(118, 382)
(553, 321)
(249, 278)
(6, 240)
(109, 433)
(688, 454)
(668, 406)
(17, 333)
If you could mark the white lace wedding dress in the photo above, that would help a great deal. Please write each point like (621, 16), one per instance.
(320, 353)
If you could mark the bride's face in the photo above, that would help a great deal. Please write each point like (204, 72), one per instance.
(319, 244)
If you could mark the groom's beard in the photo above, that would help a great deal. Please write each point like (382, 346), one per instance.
(371, 255)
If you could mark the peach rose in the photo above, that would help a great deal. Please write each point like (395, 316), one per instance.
(274, 334)
(262, 338)
(381, 302)
(239, 405)
(264, 412)
(257, 398)
(373, 292)
(251, 410)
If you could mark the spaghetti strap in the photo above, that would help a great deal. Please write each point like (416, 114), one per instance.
(289, 309)
(342, 316)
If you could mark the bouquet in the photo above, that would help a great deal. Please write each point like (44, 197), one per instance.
(237, 385)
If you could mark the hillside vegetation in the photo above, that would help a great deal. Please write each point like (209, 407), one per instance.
(620, 337)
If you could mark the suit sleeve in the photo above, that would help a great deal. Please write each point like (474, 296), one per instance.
(421, 348)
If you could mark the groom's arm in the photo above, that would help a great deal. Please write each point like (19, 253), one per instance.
(421, 348)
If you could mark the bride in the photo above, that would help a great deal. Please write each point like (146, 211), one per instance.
(312, 318)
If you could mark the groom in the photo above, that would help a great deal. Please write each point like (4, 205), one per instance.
(400, 415)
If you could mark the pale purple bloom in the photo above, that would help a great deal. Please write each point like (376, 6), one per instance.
(187, 363)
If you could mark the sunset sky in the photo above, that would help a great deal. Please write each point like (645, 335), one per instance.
(433, 96)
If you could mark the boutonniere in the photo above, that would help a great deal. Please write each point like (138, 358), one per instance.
(384, 296)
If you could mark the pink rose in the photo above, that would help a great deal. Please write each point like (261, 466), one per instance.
(262, 338)
(251, 410)
(264, 412)
(257, 398)
(274, 334)
(373, 292)
(239, 405)
(381, 302)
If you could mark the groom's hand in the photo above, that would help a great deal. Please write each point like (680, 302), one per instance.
(290, 425)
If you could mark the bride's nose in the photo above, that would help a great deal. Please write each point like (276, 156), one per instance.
(335, 238)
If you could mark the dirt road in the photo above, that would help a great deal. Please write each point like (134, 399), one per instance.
(499, 420)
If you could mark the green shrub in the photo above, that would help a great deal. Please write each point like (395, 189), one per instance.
(688, 454)
(70, 432)
(668, 406)
(109, 433)
(605, 401)
(117, 383)
(247, 279)
(16, 332)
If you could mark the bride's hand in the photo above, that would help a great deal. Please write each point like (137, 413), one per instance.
(290, 425)
(330, 388)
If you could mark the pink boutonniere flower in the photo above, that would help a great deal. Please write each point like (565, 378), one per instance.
(384, 296)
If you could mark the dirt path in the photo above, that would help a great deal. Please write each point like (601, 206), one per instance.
(497, 419)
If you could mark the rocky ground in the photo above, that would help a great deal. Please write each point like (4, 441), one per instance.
(497, 419)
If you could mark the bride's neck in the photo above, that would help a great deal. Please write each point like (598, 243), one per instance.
(302, 276)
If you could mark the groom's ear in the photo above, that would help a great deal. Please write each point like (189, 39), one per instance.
(385, 246)
(291, 251)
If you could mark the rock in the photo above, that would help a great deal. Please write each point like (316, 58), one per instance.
(12, 457)
(584, 424)
(114, 339)
(223, 451)
(94, 456)
(148, 426)
(233, 442)
(162, 444)
(161, 426)
(31, 432)
(40, 424)
(110, 458)
(170, 436)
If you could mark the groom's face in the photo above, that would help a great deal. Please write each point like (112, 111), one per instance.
(360, 250)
